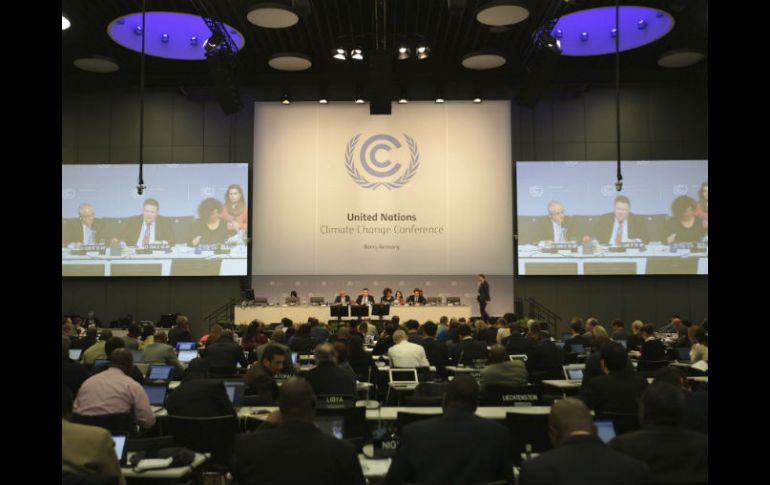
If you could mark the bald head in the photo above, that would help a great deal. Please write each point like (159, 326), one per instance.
(568, 416)
(462, 392)
(399, 336)
(325, 353)
(497, 354)
(122, 359)
(297, 400)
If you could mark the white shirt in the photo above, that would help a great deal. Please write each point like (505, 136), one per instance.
(140, 241)
(88, 235)
(407, 354)
(615, 232)
(559, 232)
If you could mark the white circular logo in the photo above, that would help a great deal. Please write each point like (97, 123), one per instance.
(68, 193)
(297, 283)
(272, 283)
(323, 283)
(680, 189)
(207, 192)
(454, 283)
(608, 190)
(536, 191)
(376, 283)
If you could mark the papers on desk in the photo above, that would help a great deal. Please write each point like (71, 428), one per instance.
(374, 468)
(701, 365)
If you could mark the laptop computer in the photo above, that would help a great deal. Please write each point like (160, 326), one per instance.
(682, 354)
(138, 356)
(573, 372)
(159, 372)
(185, 346)
(331, 425)
(294, 358)
(156, 393)
(75, 354)
(187, 355)
(566, 336)
(604, 429)
(120, 448)
(235, 390)
(402, 377)
(577, 349)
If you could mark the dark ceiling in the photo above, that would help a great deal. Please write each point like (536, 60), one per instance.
(451, 34)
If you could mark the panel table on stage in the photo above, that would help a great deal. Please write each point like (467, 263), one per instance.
(300, 313)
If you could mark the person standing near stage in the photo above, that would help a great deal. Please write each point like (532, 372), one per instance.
(483, 297)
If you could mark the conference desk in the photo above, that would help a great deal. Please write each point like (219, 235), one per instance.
(656, 259)
(166, 473)
(564, 384)
(390, 413)
(180, 261)
(300, 313)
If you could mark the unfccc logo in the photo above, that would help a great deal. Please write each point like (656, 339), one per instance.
(680, 189)
(536, 191)
(376, 173)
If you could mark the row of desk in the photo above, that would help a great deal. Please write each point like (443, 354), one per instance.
(300, 313)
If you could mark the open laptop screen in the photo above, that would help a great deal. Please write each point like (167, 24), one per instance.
(157, 394)
(100, 362)
(235, 392)
(604, 429)
(577, 348)
(574, 373)
(682, 353)
(331, 425)
(120, 444)
(75, 354)
(138, 356)
(187, 355)
(185, 345)
(403, 375)
(160, 372)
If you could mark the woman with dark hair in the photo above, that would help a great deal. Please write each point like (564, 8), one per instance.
(302, 342)
(683, 226)
(148, 337)
(213, 335)
(209, 228)
(253, 336)
(387, 296)
(399, 298)
(234, 210)
(702, 208)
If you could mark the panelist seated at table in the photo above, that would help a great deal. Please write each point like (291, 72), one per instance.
(365, 298)
(620, 225)
(209, 228)
(683, 226)
(555, 229)
(148, 228)
(387, 297)
(342, 298)
(87, 231)
(416, 298)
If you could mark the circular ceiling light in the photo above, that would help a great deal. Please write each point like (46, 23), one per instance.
(96, 63)
(272, 16)
(680, 58)
(502, 13)
(592, 32)
(481, 61)
(65, 22)
(290, 61)
(170, 35)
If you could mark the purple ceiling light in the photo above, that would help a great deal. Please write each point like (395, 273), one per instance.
(592, 32)
(171, 35)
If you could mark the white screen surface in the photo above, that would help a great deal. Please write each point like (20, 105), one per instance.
(103, 200)
(655, 237)
(426, 190)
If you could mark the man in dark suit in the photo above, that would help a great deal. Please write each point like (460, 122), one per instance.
(620, 225)
(483, 297)
(419, 460)
(467, 349)
(181, 332)
(327, 377)
(261, 376)
(437, 353)
(224, 354)
(544, 360)
(73, 374)
(269, 455)
(554, 229)
(87, 230)
(619, 390)
(573, 435)
(674, 454)
(365, 298)
(198, 397)
(516, 343)
(342, 298)
(148, 228)
(416, 298)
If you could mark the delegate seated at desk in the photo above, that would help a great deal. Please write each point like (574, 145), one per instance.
(365, 298)
(620, 225)
(555, 229)
(683, 226)
(88, 231)
(416, 298)
(148, 228)
(342, 298)
(209, 228)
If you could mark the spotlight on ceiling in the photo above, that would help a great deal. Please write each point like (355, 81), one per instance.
(213, 42)
(65, 22)
(340, 54)
(404, 53)
(285, 99)
(423, 51)
(357, 53)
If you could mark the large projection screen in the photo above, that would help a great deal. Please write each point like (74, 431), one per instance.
(571, 220)
(180, 226)
(425, 191)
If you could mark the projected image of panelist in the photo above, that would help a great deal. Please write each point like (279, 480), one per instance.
(555, 229)
(234, 210)
(209, 228)
(148, 228)
(87, 232)
(399, 298)
(365, 298)
(620, 225)
(416, 298)
(702, 209)
(683, 226)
